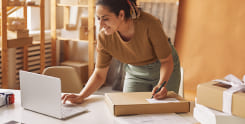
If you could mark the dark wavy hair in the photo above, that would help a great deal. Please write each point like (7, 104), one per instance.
(116, 5)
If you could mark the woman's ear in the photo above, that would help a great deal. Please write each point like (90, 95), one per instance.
(121, 15)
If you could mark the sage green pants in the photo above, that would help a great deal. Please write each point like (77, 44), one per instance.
(144, 78)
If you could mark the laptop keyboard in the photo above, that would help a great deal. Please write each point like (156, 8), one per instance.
(69, 109)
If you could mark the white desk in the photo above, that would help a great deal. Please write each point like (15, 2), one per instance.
(98, 113)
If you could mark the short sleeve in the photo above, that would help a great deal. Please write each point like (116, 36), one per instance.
(159, 40)
(103, 57)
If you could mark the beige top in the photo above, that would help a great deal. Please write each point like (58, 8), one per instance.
(148, 44)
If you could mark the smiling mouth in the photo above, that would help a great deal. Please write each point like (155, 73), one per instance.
(106, 28)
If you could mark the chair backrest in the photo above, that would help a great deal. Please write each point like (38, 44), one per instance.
(70, 81)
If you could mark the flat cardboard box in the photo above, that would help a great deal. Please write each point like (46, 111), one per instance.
(136, 103)
(210, 95)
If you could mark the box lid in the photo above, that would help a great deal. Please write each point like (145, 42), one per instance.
(136, 97)
(136, 103)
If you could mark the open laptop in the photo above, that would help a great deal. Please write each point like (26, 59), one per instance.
(42, 94)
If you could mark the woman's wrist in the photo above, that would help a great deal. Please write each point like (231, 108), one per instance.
(81, 96)
(160, 83)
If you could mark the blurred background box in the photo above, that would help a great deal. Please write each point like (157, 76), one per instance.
(74, 2)
(18, 34)
(80, 67)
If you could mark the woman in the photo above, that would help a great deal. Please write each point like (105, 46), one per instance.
(137, 39)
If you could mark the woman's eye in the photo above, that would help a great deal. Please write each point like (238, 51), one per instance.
(105, 19)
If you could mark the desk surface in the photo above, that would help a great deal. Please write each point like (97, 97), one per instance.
(98, 113)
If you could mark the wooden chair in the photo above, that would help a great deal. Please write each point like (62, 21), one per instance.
(70, 81)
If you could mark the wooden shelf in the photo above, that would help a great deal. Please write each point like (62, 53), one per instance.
(26, 6)
(70, 5)
(7, 43)
(71, 39)
(20, 42)
(91, 38)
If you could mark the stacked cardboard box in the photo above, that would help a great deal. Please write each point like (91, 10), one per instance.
(80, 67)
(84, 28)
(211, 95)
(71, 27)
(18, 34)
(16, 28)
(74, 2)
(206, 115)
(15, 24)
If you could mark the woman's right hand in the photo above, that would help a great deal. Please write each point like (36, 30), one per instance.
(73, 98)
(95, 81)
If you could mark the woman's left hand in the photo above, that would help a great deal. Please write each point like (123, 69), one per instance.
(161, 94)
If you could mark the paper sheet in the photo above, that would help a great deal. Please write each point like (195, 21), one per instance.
(166, 100)
(167, 118)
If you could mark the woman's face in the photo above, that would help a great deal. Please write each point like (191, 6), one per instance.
(109, 22)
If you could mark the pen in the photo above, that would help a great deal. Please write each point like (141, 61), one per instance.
(159, 88)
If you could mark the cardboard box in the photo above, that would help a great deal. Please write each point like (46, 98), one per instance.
(14, 20)
(30, 3)
(211, 95)
(15, 2)
(74, 2)
(15, 24)
(83, 32)
(80, 67)
(136, 103)
(71, 27)
(84, 21)
(18, 34)
(206, 115)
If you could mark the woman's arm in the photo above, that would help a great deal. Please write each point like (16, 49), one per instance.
(166, 70)
(95, 82)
